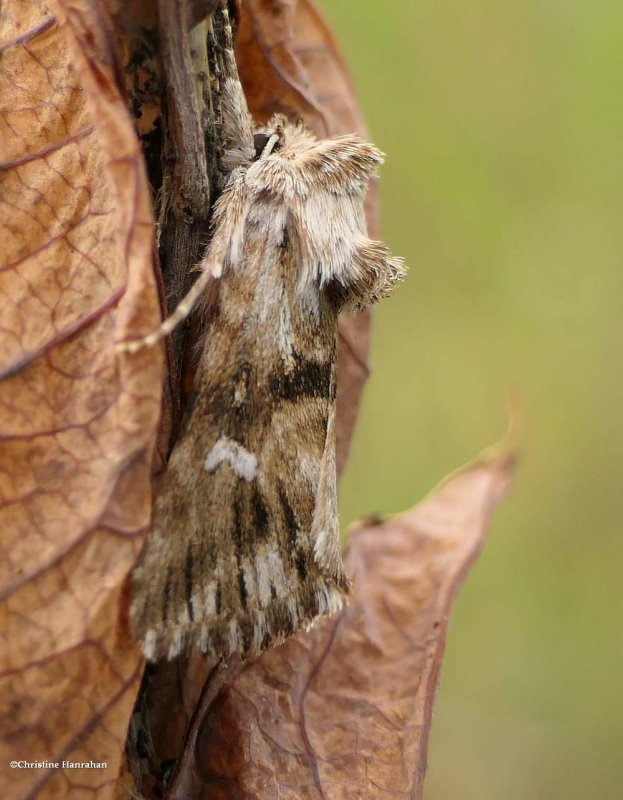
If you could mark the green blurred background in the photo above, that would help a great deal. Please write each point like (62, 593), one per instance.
(503, 125)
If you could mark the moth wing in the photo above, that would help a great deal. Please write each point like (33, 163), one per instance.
(325, 527)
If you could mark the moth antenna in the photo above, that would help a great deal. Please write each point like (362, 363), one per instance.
(182, 311)
(268, 149)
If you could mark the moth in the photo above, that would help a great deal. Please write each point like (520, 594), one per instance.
(245, 548)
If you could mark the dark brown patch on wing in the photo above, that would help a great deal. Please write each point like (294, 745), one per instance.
(259, 512)
(297, 551)
(242, 589)
(301, 563)
(289, 518)
(306, 379)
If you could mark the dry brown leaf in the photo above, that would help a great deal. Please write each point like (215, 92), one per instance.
(78, 423)
(289, 61)
(344, 712)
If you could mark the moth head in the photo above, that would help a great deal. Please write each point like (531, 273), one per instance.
(265, 144)
(340, 163)
(270, 138)
(313, 190)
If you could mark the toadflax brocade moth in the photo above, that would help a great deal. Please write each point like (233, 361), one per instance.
(244, 548)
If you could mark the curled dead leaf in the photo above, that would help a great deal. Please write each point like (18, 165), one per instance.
(78, 424)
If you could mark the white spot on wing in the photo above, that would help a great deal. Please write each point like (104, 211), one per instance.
(149, 644)
(233, 453)
(175, 647)
(233, 636)
(204, 639)
(309, 469)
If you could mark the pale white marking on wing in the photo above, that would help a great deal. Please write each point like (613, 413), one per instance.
(284, 335)
(233, 636)
(274, 562)
(204, 639)
(175, 647)
(263, 580)
(309, 469)
(269, 571)
(293, 611)
(250, 584)
(233, 453)
(149, 644)
(204, 600)
(259, 630)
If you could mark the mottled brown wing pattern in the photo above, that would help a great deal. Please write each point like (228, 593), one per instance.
(245, 544)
